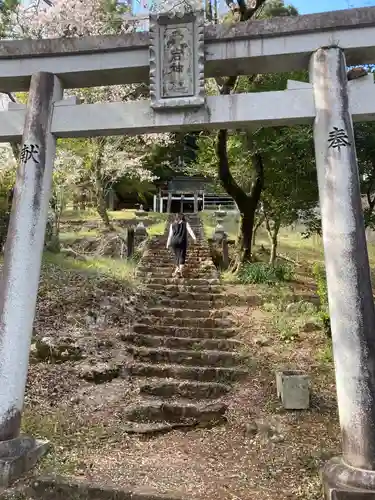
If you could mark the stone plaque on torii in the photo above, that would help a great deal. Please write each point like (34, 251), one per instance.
(177, 54)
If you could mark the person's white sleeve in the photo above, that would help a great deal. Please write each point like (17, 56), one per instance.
(190, 231)
(170, 236)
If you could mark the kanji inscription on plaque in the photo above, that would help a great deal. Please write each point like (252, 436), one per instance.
(177, 57)
(177, 62)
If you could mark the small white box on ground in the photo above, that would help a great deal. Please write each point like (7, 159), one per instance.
(293, 388)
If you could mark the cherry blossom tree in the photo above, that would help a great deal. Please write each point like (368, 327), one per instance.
(7, 177)
(71, 18)
(101, 163)
(98, 162)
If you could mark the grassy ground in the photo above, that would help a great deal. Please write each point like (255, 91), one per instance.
(77, 226)
(84, 421)
(117, 215)
(91, 214)
(123, 270)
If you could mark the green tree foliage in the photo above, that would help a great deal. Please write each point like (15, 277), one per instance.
(277, 8)
(289, 183)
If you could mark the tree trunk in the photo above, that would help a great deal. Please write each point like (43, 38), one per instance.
(246, 235)
(256, 227)
(247, 203)
(101, 205)
(273, 253)
(82, 202)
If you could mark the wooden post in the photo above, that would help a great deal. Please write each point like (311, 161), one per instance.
(169, 203)
(75, 202)
(130, 242)
(351, 304)
(225, 248)
(111, 200)
(82, 201)
(196, 202)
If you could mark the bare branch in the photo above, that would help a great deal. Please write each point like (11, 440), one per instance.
(11, 96)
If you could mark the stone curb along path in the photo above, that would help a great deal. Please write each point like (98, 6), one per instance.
(182, 349)
(61, 488)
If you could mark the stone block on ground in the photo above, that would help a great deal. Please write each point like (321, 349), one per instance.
(98, 373)
(219, 233)
(18, 456)
(141, 213)
(56, 350)
(141, 230)
(293, 389)
(301, 307)
(311, 326)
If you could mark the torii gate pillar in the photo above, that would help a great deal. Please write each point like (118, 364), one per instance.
(351, 304)
(20, 279)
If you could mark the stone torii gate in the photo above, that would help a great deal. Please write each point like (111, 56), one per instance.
(326, 43)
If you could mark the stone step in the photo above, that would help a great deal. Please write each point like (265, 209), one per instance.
(185, 358)
(176, 411)
(170, 266)
(182, 295)
(195, 305)
(163, 312)
(183, 343)
(192, 248)
(191, 262)
(197, 373)
(184, 389)
(168, 261)
(201, 246)
(163, 252)
(190, 322)
(160, 254)
(180, 287)
(201, 242)
(189, 270)
(178, 331)
(190, 274)
(182, 281)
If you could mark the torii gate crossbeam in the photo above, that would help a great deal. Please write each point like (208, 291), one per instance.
(264, 46)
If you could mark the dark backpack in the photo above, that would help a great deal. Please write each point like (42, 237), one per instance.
(179, 234)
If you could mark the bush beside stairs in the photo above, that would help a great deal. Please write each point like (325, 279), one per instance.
(182, 349)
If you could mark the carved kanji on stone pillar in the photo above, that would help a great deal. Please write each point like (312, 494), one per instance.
(176, 55)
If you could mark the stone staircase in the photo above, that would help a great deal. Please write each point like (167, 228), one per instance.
(182, 350)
